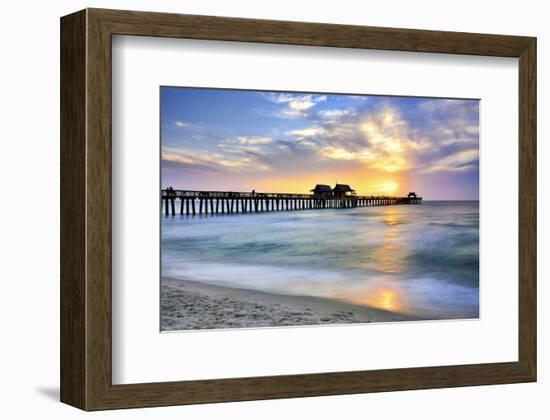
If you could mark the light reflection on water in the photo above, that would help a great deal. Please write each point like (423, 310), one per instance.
(391, 255)
(420, 260)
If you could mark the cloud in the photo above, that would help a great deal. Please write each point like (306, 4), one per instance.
(381, 139)
(432, 139)
(294, 105)
(335, 114)
(387, 131)
(181, 124)
(238, 148)
(308, 132)
(207, 160)
(338, 153)
(457, 162)
(451, 121)
(253, 140)
(245, 144)
(391, 163)
(389, 135)
(444, 106)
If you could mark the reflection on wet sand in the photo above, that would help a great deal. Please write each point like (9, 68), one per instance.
(382, 296)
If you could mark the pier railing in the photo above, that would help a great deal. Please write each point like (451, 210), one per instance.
(230, 202)
(228, 194)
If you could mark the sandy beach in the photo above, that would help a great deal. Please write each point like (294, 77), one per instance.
(190, 305)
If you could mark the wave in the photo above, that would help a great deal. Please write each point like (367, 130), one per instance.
(427, 255)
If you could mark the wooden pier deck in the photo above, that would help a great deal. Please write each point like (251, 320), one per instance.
(227, 202)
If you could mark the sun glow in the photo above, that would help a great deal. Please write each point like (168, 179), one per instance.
(388, 188)
(363, 180)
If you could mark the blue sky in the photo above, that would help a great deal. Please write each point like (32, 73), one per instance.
(215, 139)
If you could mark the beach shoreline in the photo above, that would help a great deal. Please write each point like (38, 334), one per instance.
(192, 305)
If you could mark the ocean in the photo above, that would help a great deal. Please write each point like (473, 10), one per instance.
(419, 260)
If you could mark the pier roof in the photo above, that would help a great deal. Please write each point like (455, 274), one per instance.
(322, 188)
(343, 188)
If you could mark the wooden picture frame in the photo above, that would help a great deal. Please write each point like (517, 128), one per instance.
(86, 224)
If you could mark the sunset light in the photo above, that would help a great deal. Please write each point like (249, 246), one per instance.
(289, 142)
(389, 188)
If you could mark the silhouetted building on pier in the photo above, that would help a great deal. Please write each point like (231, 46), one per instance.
(341, 191)
(322, 191)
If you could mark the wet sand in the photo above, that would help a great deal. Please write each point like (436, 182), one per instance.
(190, 305)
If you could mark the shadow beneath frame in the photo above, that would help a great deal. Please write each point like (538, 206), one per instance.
(51, 393)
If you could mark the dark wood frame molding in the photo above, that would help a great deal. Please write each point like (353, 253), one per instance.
(86, 208)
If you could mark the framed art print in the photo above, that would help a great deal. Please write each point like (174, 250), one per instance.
(261, 209)
(372, 255)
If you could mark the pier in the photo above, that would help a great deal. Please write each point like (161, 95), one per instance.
(190, 203)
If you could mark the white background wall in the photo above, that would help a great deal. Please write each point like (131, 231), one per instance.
(29, 231)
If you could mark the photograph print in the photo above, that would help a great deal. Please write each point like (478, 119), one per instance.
(283, 209)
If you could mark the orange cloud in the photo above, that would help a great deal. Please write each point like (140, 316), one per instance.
(386, 146)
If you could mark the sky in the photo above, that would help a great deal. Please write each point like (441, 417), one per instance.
(235, 140)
